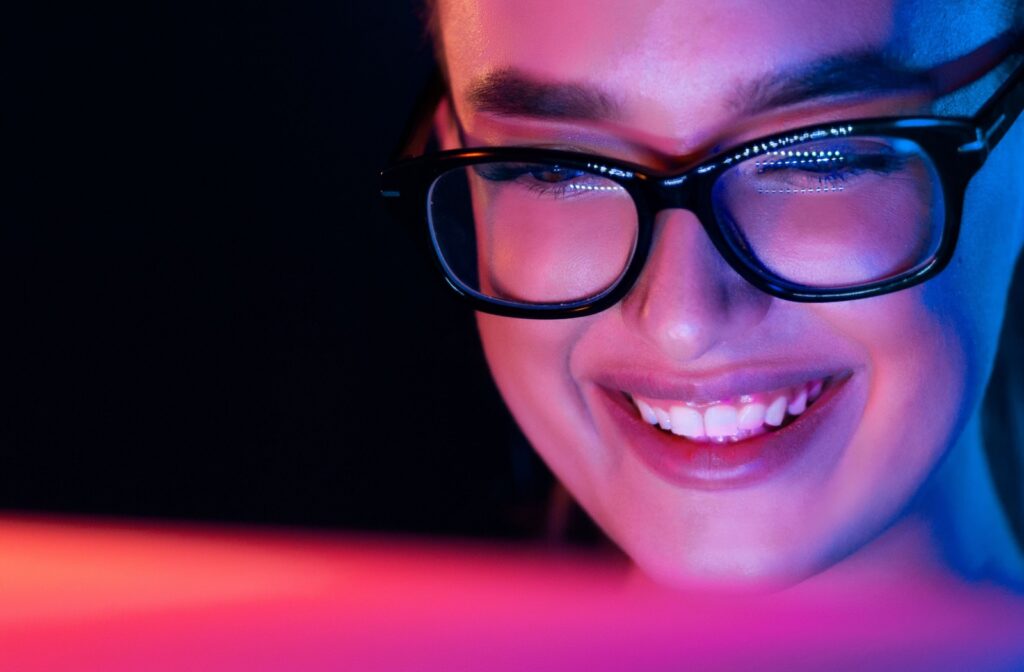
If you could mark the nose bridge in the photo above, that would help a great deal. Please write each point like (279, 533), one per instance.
(687, 299)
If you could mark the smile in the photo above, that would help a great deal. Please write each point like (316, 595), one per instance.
(729, 421)
(734, 429)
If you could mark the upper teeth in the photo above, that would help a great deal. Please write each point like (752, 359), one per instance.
(752, 415)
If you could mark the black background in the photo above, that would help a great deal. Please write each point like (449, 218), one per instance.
(206, 312)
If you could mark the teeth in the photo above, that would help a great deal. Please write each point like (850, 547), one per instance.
(663, 420)
(646, 412)
(749, 415)
(687, 422)
(798, 405)
(776, 412)
(722, 421)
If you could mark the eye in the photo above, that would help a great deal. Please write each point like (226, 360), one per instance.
(555, 174)
(820, 166)
(503, 172)
(544, 179)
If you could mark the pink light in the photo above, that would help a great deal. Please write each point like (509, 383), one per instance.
(116, 596)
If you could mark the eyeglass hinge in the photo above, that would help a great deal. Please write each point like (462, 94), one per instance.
(981, 143)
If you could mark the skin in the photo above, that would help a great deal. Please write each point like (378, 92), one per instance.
(896, 485)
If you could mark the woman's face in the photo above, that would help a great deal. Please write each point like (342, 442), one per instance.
(891, 379)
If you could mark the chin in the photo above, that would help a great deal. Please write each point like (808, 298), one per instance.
(725, 570)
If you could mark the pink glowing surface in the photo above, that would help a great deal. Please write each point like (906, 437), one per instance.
(120, 596)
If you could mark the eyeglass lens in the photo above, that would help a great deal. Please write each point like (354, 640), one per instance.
(827, 214)
(834, 215)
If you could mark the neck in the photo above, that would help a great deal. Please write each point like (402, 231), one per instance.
(955, 530)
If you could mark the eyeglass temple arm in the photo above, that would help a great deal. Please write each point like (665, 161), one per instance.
(418, 131)
(997, 115)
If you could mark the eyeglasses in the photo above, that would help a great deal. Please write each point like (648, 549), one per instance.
(829, 212)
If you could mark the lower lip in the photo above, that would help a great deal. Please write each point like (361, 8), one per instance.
(710, 465)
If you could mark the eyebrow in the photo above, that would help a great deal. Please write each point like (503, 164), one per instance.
(508, 91)
(832, 76)
(511, 92)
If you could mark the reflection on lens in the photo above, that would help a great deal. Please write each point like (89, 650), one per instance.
(834, 213)
(532, 233)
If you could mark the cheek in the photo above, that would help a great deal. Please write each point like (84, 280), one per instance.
(931, 348)
(974, 287)
(804, 227)
(529, 360)
(919, 364)
(549, 248)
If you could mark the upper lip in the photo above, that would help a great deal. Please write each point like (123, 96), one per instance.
(711, 386)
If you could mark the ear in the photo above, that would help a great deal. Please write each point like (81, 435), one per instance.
(445, 127)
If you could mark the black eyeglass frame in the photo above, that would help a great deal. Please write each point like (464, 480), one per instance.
(958, 148)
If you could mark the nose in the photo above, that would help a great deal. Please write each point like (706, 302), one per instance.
(688, 300)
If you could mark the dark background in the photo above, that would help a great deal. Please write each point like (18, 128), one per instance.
(206, 312)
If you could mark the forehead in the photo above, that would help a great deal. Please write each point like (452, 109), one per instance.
(675, 63)
(645, 45)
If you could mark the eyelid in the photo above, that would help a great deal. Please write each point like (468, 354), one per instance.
(602, 146)
(560, 146)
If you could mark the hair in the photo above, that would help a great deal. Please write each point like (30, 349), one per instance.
(1003, 409)
(430, 18)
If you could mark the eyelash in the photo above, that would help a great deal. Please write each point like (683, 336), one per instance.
(566, 188)
(826, 171)
(823, 171)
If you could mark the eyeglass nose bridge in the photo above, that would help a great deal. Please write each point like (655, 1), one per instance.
(673, 192)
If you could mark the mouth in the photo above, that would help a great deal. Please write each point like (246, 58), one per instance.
(723, 440)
